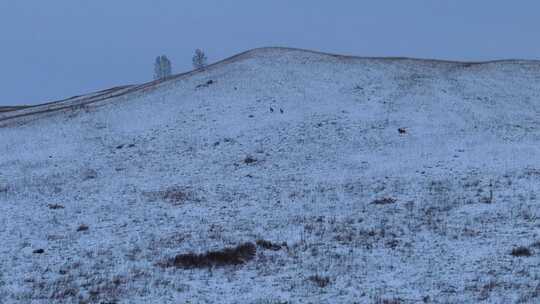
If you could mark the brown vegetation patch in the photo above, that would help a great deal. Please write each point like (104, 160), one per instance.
(521, 251)
(238, 255)
(55, 206)
(82, 227)
(320, 280)
(250, 160)
(384, 201)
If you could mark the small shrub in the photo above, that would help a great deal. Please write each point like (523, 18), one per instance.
(206, 84)
(250, 160)
(175, 195)
(521, 251)
(63, 289)
(55, 206)
(320, 280)
(238, 255)
(487, 289)
(106, 290)
(82, 227)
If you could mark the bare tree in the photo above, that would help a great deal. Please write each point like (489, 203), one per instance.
(199, 59)
(162, 67)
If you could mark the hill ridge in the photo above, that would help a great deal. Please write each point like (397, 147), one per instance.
(12, 112)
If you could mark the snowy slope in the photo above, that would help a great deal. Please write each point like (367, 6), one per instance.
(322, 133)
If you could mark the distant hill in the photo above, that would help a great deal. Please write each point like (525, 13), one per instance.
(13, 108)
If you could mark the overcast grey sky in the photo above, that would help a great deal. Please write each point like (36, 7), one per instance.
(55, 49)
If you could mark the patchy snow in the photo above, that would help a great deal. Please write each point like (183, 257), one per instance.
(163, 170)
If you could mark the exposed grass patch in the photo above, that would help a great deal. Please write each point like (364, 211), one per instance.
(321, 281)
(521, 251)
(175, 195)
(238, 255)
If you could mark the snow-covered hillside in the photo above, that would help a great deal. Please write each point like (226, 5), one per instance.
(381, 180)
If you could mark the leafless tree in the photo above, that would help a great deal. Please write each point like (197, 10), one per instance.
(199, 59)
(162, 67)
